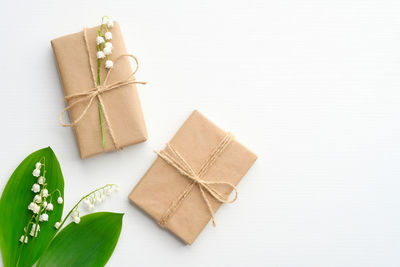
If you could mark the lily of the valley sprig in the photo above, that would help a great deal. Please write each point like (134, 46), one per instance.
(32, 229)
(41, 205)
(104, 50)
(92, 199)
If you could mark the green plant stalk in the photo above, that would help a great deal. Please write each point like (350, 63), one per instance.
(100, 33)
(35, 232)
(103, 143)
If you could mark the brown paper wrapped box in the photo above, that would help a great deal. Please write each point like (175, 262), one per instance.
(163, 184)
(123, 105)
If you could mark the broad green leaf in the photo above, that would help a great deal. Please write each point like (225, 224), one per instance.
(15, 214)
(89, 243)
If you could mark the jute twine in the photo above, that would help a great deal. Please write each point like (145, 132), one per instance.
(171, 156)
(97, 91)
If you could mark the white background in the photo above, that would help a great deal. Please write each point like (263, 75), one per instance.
(311, 86)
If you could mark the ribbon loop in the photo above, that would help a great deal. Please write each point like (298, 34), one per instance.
(176, 160)
(130, 75)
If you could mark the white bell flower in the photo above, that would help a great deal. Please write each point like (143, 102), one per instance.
(40, 180)
(99, 40)
(36, 188)
(36, 172)
(74, 214)
(87, 202)
(38, 165)
(45, 193)
(22, 239)
(34, 207)
(108, 35)
(49, 207)
(59, 200)
(108, 44)
(45, 204)
(32, 233)
(107, 51)
(110, 22)
(76, 220)
(109, 64)
(37, 199)
(57, 225)
(108, 191)
(100, 54)
(98, 200)
(44, 217)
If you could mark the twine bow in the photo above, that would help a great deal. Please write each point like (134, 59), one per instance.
(175, 159)
(97, 91)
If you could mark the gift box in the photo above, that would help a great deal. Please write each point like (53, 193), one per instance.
(120, 121)
(192, 176)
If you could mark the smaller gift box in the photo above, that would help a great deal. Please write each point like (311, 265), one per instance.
(105, 116)
(195, 173)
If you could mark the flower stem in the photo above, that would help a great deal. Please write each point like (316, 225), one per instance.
(36, 230)
(100, 33)
(23, 243)
(103, 142)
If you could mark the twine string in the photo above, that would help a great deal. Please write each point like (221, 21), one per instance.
(175, 159)
(96, 92)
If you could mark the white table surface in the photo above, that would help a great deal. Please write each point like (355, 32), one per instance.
(313, 87)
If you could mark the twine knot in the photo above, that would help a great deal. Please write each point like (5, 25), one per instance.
(171, 156)
(100, 89)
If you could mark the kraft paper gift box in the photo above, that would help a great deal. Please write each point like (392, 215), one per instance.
(175, 200)
(122, 105)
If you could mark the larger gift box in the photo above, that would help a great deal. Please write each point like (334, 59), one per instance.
(76, 58)
(192, 177)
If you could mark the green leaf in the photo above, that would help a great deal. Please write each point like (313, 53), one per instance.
(15, 214)
(89, 243)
